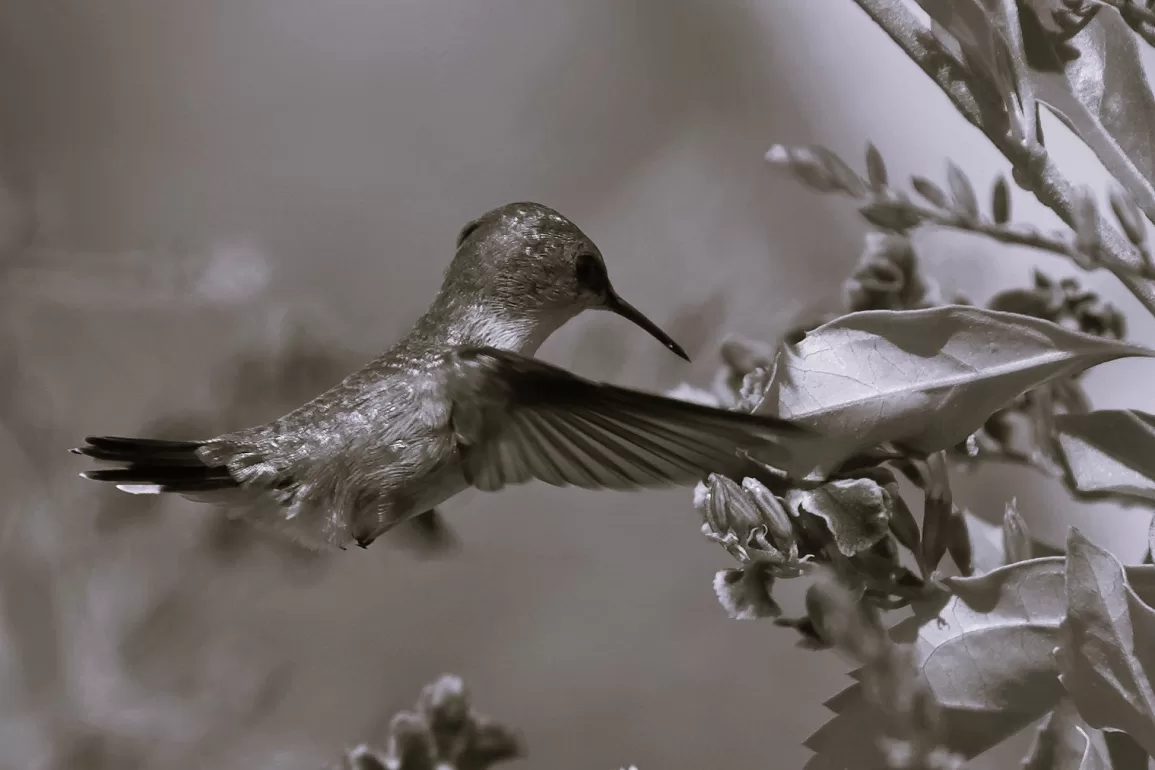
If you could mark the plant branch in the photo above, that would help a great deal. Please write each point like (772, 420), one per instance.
(1035, 170)
(1030, 237)
(1140, 18)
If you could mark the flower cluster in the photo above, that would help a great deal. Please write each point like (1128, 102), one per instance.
(887, 277)
(1064, 302)
(856, 519)
(854, 524)
(442, 733)
(1021, 431)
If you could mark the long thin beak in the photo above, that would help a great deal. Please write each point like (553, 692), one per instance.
(616, 304)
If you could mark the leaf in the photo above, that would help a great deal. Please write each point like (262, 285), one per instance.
(929, 190)
(1060, 742)
(987, 656)
(1107, 648)
(842, 173)
(1098, 89)
(962, 191)
(875, 168)
(849, 740)
(1104, 97)
(1109, 451)
(1094, 757)
(974, 27)
(1122, 750)
(891, 681)
(925, 378)
(1128, 215)
(1016, 611)
(988, 543)
(1001, 201)
(892, 215)
(1086, 215)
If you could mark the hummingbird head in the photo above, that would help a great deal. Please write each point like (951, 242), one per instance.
(527, 261)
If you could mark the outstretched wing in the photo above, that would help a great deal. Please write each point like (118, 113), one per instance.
(518, 418)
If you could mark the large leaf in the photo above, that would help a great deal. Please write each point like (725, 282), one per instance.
(1104, 97)
(1109, 451)
(987, 656)
(925, 379)
(988, 684)
(1107, 650)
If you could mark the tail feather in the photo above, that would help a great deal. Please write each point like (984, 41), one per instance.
(154, 466)
(141, 444)
(129, 455)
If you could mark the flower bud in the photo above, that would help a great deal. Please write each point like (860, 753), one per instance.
(886, 276)
(1016, 537)
(1130, 216)
(936, 529)
(363, 758)
(959, 543)
(704, 503)
(903, 525)
(727, 508)
(491, 743)
(772, 514)
(410, 743)
(446, 702)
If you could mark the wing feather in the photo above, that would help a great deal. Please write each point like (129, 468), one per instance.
(518, 419)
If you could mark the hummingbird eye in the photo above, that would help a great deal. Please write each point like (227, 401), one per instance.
(590, 273)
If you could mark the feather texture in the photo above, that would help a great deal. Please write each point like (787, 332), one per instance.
(154, 466)
(518, 419)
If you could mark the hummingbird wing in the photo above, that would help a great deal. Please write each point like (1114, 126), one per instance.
(517, 418)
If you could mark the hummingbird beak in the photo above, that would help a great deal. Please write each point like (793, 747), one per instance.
(616, 304)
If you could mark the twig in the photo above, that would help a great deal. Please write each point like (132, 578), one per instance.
(1023, 237)
(1035, 171)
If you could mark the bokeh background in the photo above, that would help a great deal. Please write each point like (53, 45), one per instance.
(211, 210)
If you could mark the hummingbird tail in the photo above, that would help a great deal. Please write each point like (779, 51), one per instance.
(155, 466)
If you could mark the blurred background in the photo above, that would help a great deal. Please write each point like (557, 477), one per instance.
(210, 211)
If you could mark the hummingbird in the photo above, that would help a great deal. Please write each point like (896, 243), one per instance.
(458, 402)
